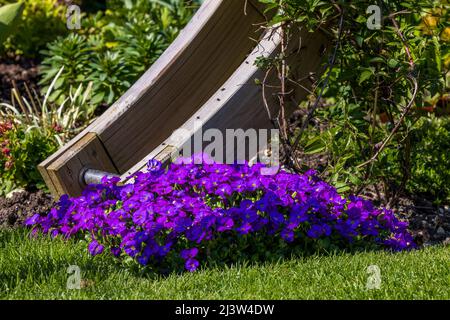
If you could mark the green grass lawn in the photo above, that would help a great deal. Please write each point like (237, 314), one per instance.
(37, 269)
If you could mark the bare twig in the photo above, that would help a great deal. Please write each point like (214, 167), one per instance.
(266, 104)
(397, 126)
(16, 93)
(301, 86)
(282, 76)
(30, 96)
(392, 15)
(411, 102)
(404, 41)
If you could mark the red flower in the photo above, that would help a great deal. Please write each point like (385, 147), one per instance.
(57, 128)
(5, 126)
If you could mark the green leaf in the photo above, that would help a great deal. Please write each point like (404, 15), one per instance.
(365, 75)
(393, 63)
(314, 146)
(341, 187)
(377, 60)
(359, 41)
(98, 98)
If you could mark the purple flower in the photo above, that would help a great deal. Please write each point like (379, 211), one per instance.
(145, 196)
(191, 265)
(131, 249)
(32, 220)
(195, 202)
(154, 165)
(224, 190)
(317, 231)
(276, 217)
(195, 234)
(225, 224)
(143, 259)
(140, 216)
(115, 251)
(287, 235)
(189, 253)
(245, 228)
(95, 248)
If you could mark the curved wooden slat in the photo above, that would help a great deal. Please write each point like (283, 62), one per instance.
(238, 104)
(200, 60)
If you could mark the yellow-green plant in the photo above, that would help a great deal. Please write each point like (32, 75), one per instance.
(41, 22)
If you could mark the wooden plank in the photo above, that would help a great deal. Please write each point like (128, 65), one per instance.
(48, 181)
(188, 82)
(135, 93)
(87, 153)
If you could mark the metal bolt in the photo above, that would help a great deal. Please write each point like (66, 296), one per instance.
(92, 176)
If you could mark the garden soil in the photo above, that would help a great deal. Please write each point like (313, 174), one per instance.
(20, 70)
(21, 205)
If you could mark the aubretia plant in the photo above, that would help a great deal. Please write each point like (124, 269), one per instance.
(187, 212)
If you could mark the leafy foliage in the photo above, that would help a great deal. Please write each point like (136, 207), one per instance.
(114, 48)
(376, 92)
(9, 15)
(42, 21)
(430, 174)
(21, 151)
(31, 130)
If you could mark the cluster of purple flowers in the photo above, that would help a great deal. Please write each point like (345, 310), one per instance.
(184, 206)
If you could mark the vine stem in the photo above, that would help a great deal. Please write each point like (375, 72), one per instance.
(330, 66)
(411, 102)
(397, 126)
(282, 117)
(404, 41)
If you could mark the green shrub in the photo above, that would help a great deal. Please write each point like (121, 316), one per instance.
(22, 151)
(369, 104)
(114, 48)
(431, 159)
(368, 107)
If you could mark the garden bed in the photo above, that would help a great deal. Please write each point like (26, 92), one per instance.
(429, 224)
(372, 125)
